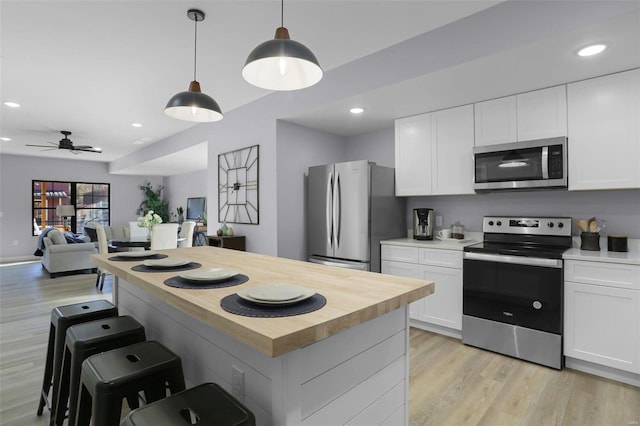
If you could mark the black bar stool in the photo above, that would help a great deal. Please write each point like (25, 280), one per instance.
(205, 404)
(84, 340)
(62, 318)
(109, 377)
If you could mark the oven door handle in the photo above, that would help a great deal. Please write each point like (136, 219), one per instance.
(516, 260)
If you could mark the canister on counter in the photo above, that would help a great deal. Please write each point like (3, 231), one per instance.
(617, 243)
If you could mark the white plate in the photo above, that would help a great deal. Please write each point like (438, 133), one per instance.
(169, 262)
(145, 253)
(211, 274)
(275, 293)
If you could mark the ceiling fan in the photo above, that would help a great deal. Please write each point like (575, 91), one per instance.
(65, 143)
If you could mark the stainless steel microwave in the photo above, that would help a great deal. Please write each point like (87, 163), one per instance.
(536, 164)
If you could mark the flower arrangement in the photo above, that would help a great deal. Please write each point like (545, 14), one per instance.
(149, 220)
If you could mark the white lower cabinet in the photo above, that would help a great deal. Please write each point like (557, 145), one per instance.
(442, 310)
(602, 314)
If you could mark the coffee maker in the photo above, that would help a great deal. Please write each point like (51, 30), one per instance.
(423, 224)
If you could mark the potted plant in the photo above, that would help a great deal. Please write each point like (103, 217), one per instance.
(180, 211)
(154, 202)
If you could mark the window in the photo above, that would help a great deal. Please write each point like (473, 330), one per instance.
(91, 202)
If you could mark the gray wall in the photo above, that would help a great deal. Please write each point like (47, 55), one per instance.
(298, 148)
(375, 146)
(180, 187)
(16, 174)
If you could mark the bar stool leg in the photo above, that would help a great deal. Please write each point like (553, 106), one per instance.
(48, 370)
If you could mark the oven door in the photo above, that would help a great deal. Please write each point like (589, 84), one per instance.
(517, 290)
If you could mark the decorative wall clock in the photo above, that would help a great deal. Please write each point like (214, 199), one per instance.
(238, 186)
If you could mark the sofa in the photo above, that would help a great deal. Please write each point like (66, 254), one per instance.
(113, 232)
(65, 253)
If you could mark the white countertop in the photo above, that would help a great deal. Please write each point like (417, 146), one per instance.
(632, 257)
(470, 238)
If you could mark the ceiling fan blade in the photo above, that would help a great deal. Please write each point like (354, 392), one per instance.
(87, 148)
(51, 145)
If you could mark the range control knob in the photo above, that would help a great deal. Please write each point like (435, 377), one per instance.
(537, 305)
(550, 224)
(490, 223)
(560, 225)
(498, 223)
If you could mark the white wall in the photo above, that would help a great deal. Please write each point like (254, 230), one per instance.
(298, 148)
(16, 174)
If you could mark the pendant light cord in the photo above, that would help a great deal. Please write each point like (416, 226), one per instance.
(282, 13)
(195, 48)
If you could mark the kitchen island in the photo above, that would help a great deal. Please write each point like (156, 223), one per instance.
(347, 362)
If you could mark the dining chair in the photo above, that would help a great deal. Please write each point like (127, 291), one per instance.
(103, 247)
(137, 233)
(186, 233)
(164, 236)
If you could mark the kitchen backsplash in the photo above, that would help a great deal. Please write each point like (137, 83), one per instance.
(620, 209)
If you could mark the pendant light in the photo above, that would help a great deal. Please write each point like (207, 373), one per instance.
(282, 63)
(193, 105)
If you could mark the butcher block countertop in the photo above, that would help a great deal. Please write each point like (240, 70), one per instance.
(353, 297)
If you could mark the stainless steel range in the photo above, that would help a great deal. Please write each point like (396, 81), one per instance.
(513, 288)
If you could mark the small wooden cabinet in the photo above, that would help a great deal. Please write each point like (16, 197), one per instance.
(235, 242)
(602, 314)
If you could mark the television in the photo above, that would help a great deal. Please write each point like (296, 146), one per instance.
(196, 208)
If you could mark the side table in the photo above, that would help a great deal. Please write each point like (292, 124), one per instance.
(235, 242)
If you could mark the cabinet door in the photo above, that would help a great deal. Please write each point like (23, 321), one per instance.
(495, 121)
(602, 325)
(413, 155)
(604, 132)
(542, 113)
(452, 151)
(401, 269)
(444, 306)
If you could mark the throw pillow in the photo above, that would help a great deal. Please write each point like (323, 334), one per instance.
(91, 233)
(57, 237)
(72, 239)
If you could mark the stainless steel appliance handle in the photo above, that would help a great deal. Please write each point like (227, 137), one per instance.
(545, 162)
(346, 264)
(338, 212)
(516, 260)
(329, 209)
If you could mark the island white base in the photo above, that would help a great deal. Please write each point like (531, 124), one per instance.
(357, 377)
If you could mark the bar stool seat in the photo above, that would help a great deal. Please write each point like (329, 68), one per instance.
(63, 317)
(84, 340)
(205, 404)
(110, 376)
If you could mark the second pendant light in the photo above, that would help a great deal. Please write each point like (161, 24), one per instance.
(282, 63)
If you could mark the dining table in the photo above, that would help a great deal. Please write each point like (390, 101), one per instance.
(128, 243)
(343, 360)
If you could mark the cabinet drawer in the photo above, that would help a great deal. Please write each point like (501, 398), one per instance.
(400, 253)
(437, 257)
(600, 273)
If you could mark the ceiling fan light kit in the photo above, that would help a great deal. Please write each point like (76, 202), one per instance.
(282, 63)
(193, 105)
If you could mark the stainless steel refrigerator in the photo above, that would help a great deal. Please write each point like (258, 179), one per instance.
(351, 207)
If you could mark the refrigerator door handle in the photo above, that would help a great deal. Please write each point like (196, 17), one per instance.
(336, 211)
(329, 209)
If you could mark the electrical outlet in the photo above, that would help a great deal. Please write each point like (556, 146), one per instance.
(237, 383)
(439, 221)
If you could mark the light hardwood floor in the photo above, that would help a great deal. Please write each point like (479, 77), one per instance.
(450, 384)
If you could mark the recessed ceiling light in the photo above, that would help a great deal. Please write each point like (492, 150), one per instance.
(5, 139)
(356, 110)
(136, 124)
(591, 50)
(12, 104)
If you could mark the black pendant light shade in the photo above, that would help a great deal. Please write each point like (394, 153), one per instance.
(193, 105)
(282, 64)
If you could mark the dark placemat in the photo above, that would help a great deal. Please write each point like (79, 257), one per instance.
(179, 282)
(188, 266)
(137, 259)
(237, 305)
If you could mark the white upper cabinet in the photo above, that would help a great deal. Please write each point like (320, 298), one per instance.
(542, 113)
(452, 150)
(434, 153)
(604, 132)
(413, 155)
(495, 121)
(533, 115)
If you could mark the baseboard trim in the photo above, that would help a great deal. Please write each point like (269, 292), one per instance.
(603, 371)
